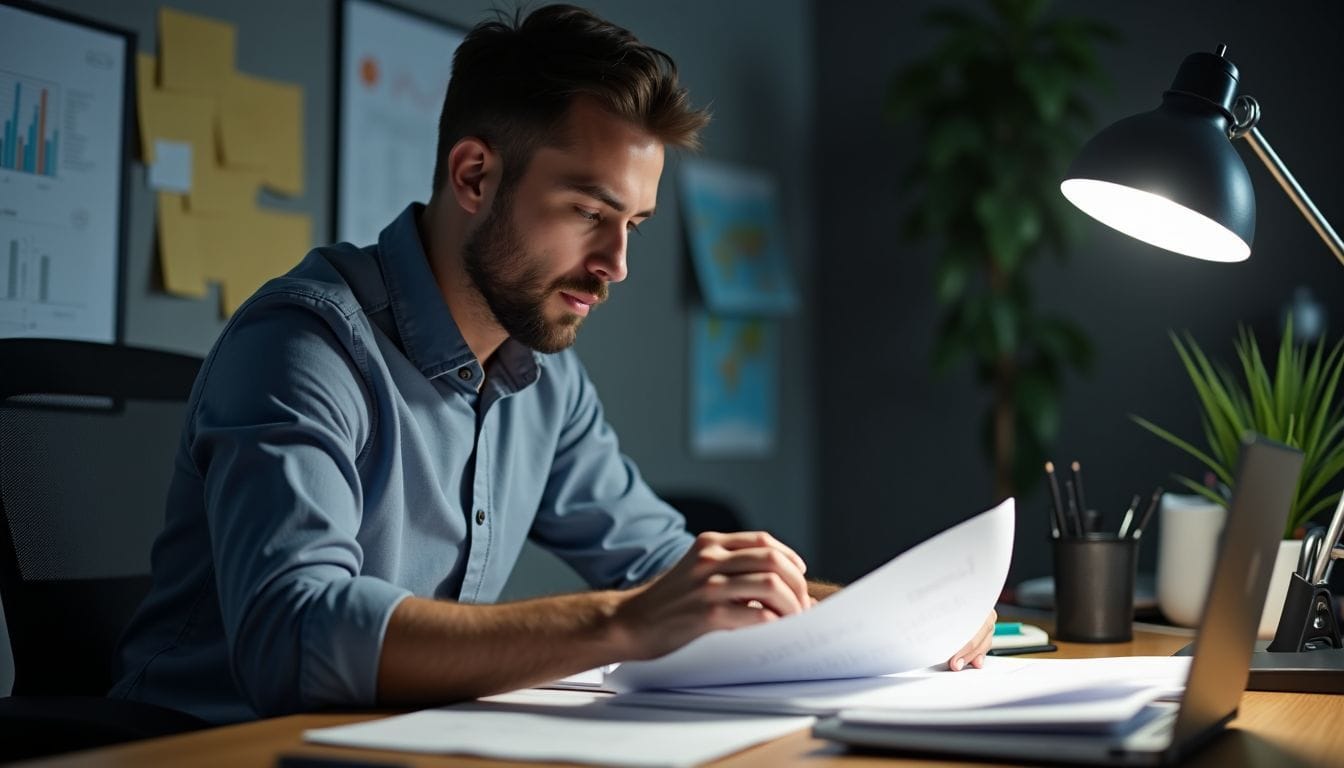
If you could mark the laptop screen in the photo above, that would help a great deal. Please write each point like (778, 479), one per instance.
(1266, 477)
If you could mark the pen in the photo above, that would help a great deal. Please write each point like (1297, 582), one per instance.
(1059, 522)
(1077, 468)
(1129, 515)
(1074, 517)
(1147, 513)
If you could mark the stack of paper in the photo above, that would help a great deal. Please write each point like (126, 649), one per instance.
(564, 726)
(940, 695)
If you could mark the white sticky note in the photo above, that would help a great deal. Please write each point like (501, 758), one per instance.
(171, 171)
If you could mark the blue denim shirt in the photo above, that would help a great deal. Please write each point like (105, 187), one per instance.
(338, 457)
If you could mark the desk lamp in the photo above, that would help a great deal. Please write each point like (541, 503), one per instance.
(1172, 178)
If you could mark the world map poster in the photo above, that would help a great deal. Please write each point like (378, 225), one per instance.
(733, 385)
(736, 242)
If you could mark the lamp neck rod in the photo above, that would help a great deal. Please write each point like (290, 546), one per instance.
(1295, 193)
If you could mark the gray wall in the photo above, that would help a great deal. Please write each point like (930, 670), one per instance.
(751, 61)
(901, 458)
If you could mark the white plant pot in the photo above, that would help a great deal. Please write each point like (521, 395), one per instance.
(1189, 528)
(1284, 565)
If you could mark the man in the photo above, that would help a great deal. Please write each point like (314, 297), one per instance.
(376, 433)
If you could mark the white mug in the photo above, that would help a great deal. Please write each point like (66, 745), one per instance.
(1189, 527)
(1189, 533)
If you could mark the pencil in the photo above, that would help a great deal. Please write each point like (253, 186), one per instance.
(1059, 521)
(1077, 468)
(1129, 515)
(1074, 517)
(1148, 513)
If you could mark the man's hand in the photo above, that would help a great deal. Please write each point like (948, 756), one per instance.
(725, 581)
(973, 653)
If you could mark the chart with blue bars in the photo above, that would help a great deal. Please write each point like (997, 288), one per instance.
(31, 137)
(28, 272)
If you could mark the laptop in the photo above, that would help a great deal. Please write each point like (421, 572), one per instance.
(1166, 731)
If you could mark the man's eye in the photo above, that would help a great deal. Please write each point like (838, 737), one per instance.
(587, 215)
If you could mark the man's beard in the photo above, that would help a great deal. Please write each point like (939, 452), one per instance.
(511, 283)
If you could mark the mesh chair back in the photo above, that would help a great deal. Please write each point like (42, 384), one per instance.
(704, 512)
(87, 438)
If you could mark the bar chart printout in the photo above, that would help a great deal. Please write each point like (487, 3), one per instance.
(63, 95)
(28, 275)
(31, 137)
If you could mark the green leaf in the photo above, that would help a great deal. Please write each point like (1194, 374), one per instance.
(1201, 489)
(950, 140)
(952, 276)
(1037, 397)
(1047, 87)
(1218, 469)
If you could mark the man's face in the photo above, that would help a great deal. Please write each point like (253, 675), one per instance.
(544, 254)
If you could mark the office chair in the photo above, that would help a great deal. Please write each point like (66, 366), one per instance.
(87, 439)
(705, 513)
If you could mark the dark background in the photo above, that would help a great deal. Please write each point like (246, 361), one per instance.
(900, 446)
(874, 451)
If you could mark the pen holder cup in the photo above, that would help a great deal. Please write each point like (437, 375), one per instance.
(1094, 588)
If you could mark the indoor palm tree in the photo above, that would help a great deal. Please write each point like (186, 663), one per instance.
(1001, 106)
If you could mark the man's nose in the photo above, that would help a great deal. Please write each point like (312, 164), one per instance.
(608, 263)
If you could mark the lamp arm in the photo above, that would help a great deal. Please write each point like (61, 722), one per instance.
(1295, 193)
(1328, 551)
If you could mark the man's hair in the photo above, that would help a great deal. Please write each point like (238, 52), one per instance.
(514, 81)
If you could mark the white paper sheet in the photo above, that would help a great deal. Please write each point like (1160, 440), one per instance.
(1002, 682)
(915, 611)
(171, 170)
(564, 726)
(588, 680)
(1093, 709)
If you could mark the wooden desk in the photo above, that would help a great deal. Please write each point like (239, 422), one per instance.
(1273, 729)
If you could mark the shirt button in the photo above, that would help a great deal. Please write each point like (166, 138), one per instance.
(464, 374)
(480, 517)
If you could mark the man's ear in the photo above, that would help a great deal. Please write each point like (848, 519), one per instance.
(473, 173)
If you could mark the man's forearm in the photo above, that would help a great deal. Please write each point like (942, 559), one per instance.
(437, 651)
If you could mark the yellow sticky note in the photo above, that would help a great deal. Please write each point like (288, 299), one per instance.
(223, 191)
(245, 249)
(181, 257)
(198, 52)
(261, 128)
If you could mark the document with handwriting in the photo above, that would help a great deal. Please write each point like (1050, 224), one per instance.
(915, 611)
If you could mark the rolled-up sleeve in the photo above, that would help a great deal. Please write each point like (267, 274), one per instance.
(281, 417)
(597, 513)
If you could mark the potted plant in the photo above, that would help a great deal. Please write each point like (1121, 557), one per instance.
(1001, 103)
(1297, 404)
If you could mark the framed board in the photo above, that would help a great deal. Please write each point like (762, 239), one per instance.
(64, 128)
(393, 70)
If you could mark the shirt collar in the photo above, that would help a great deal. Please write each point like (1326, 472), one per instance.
(429, 334)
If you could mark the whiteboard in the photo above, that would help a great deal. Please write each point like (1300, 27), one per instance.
(394, 70)
(63, 100)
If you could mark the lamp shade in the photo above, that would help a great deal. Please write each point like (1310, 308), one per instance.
(1171, 177)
